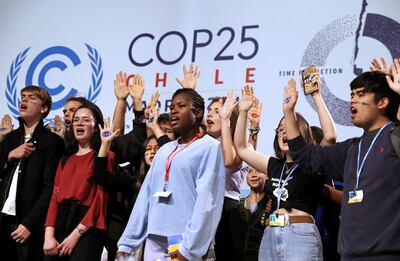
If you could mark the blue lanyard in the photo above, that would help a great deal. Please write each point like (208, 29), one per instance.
(280, 186)
(360, 167)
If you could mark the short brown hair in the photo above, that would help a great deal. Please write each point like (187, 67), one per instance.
(42, 94)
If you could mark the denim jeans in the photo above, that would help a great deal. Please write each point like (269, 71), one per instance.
(300, 241)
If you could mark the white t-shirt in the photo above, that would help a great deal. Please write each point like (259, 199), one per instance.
(9, 205)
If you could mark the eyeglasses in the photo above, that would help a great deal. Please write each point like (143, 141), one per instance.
(83, 120)
(279, 131)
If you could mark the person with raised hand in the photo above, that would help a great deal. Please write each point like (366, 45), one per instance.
(291, 233)
(122, 184)
(221, 123)
(128, 147)
(182, 193)
(76, 217)
(6, 126)
(189, 77)
(361, 162)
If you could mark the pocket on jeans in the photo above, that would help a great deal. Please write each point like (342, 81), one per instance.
(303, 229)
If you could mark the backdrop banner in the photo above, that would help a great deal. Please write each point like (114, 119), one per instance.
(77, 47)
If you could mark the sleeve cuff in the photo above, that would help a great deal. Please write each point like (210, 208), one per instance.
(296, 144)
(163, 140)
(125, 249)
(186, 253)
(139, 116)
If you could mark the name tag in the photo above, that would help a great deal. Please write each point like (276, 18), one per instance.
(162, 194)
(277, 220)
(355, 196)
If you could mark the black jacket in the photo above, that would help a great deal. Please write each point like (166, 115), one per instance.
(36, 174)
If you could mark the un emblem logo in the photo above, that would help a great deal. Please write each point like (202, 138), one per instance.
(45, 61)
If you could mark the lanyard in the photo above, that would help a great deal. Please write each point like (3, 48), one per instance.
(360, 167)
(280, 186)
(172, 155)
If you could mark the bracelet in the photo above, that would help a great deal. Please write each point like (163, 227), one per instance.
(254, 130)
(81, 230)
(252, 134)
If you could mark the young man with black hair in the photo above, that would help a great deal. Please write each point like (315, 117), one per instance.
(369, 165)
(28, 160)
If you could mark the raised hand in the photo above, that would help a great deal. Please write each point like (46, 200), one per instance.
(153, 118)
(189, 77)
(247, 99)
(106, 133)
(120, 86)
(395, 72)
(6, 126)
(151, 105)
(255, 113)
(136, 89)
(59, 126)
(225, 109)
(290, 96)
(376, 66)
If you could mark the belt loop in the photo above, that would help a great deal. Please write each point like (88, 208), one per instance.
(287, 219)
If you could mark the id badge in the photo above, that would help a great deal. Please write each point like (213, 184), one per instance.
(355, 196)
(277, 220)
(162, 194)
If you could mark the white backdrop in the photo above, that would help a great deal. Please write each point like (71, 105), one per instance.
(78, 46)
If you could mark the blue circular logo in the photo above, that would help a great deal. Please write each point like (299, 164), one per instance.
(11, 90)
(336, 32)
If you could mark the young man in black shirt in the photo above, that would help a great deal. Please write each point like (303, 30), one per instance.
(369, 165)
(28, 160)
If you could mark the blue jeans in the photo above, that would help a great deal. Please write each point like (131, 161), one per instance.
(300, 241)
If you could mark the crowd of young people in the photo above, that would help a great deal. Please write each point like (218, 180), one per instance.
(170, 189)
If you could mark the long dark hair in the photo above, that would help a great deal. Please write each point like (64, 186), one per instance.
(144, 168)
(305, 131)
(95, 142)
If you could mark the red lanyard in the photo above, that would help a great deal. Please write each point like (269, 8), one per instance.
(172, 155)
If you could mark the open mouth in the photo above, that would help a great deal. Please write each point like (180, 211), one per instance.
(353, 110)
(174, 120)
(209, 122)
(284, 140)
(23, 106)
(80, 131)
